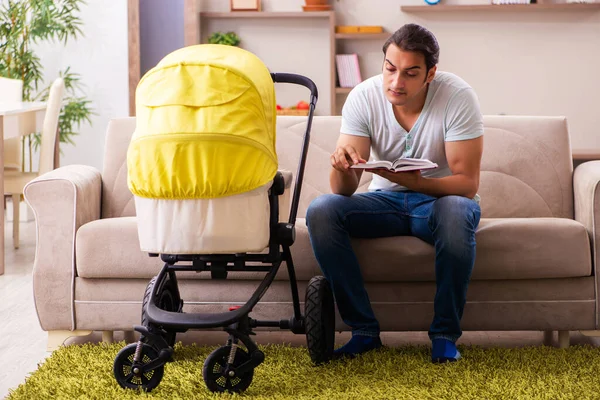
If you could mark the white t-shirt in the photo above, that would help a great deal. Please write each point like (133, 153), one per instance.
(451, 112)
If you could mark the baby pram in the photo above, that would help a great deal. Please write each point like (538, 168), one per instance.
(203, 169)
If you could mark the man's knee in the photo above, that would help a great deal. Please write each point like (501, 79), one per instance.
(322, 211)
(450, 208)
(453, 214)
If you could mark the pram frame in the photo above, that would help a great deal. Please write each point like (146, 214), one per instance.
(236, 322)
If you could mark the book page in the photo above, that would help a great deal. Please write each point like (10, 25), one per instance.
(413, 162)
(373, 164)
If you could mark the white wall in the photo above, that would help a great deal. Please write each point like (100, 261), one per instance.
(101, 57)
(535, 63)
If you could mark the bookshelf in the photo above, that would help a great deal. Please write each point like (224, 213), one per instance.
(342, 90)
(267, 14)
(362, 36)
(443, 8)
(583, 155)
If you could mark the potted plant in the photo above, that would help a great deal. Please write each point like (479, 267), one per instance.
(27, 22)
(228, 38)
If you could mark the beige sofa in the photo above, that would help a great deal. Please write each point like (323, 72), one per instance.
(537, 243)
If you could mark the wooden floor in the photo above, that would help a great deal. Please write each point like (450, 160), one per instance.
(23, 343)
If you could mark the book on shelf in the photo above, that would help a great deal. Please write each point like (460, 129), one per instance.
(348, 70)
(398, 165)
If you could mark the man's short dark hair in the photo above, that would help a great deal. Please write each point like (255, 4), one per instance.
(415, 38)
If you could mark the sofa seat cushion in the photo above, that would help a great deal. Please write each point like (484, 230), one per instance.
(507, 248)
(110, 248)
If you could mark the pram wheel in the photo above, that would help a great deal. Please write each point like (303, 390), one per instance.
(221, 377)
(168, 300)
(123, 368)
(319, 320)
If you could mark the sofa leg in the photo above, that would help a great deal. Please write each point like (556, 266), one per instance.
(563, 339)
(107, 337)
(548, 338)
(129, 336)
(58, 338)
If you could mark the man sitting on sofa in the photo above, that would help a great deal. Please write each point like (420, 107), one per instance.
(407, 111)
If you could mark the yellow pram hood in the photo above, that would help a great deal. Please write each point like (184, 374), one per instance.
(205, 125)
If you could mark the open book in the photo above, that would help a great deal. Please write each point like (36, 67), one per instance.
(399, 165)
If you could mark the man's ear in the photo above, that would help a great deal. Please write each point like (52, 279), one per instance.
(431, 74)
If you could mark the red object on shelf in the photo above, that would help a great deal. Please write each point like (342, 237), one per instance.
(233, 308)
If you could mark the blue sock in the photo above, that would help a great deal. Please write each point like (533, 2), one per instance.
(443, 350)
(357, 345)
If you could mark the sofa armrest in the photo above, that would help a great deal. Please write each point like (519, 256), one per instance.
(62, 200)
(586, 186)
(285, 198)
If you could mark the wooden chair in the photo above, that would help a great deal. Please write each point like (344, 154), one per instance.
(11, 90)
(15, 180)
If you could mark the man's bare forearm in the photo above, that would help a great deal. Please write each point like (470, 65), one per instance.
(344, 183)
(458, 185)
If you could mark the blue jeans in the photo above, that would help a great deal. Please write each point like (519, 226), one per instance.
(448, 223)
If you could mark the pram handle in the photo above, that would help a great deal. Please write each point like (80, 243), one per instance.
(314, 94)
(298, 80)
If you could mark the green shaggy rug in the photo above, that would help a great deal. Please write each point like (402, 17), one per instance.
(85, 372)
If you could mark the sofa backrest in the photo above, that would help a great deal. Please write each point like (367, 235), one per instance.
(526, 165)
(526, 168)
(117, 200)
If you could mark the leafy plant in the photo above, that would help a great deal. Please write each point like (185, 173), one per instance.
(228, 38)
(24, 23)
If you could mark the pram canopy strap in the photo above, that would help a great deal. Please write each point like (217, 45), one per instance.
(205, 125)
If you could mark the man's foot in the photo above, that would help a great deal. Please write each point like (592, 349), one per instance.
(357, 345)
(443, 350)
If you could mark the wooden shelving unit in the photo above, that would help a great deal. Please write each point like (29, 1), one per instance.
(586, 154)
(342, 90)
(361, 36)
(265, 14)
(501, 7)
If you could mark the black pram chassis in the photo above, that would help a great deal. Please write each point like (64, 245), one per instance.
(230, 368)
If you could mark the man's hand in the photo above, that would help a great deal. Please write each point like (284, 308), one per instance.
(345, 156)
(409, 179)
(350, 150)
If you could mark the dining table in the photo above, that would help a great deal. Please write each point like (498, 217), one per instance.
(16, 119)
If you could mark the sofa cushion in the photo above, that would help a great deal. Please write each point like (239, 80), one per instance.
(507, 248)
(110, 248)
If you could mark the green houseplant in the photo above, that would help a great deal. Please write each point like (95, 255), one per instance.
(228, 38)
(25, 23)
